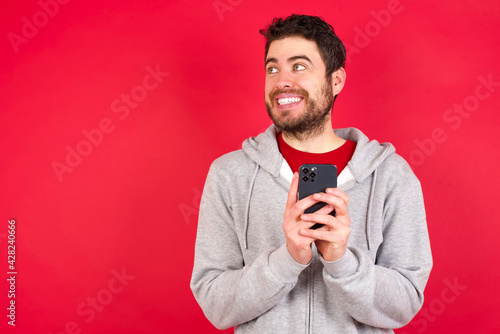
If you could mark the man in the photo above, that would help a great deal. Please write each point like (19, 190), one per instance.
(258, 265)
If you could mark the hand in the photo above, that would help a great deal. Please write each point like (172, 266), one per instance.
(299, 246)
(331, 239)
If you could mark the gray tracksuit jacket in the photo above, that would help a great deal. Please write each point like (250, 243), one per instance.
(244, 276)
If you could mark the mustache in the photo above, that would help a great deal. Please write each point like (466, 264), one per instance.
(298, 91)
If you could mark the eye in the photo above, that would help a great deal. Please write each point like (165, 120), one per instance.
(272, 70)
(298, 67)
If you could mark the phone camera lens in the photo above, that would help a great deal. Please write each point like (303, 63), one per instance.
(305, 170)
(313, 174)
(305, 178)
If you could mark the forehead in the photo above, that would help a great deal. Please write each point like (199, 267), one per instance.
(288, 47)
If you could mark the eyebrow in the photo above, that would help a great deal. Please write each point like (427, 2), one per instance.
(291, 59)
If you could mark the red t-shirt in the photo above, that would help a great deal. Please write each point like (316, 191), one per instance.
(338, 157)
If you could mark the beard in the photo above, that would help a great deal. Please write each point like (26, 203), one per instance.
(311, 121)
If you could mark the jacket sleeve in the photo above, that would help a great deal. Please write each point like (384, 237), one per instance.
(230, 291)
(389, 292)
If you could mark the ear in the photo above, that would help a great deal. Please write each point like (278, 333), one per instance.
(338, 80)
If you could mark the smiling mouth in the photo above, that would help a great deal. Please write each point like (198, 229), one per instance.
(288, 100)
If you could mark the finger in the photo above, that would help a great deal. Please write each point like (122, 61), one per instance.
(339, 193)
(292, 194)
(339, 235)
(304, 224)
(303, 205)
(332, 221)
(294, 232)
(337, 202)
(317, 218)
(325, 210)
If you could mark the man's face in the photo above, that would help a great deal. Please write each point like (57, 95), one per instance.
(298, 98)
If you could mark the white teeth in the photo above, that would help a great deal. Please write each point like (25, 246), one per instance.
(288, 100)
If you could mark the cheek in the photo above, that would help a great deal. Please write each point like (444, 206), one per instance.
(267, 89)
(306, 85)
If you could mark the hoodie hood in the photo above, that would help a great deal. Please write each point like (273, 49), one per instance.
(264, 151)
(369, 154)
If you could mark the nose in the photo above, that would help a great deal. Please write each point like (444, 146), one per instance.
(284, 80)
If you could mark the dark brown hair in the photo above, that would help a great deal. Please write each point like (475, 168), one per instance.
(312, 28)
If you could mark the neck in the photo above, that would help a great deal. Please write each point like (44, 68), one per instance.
(320, 142)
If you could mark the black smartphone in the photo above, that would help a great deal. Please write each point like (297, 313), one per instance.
(316, 178)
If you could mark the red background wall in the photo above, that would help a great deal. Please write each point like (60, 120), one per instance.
(105, 242)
